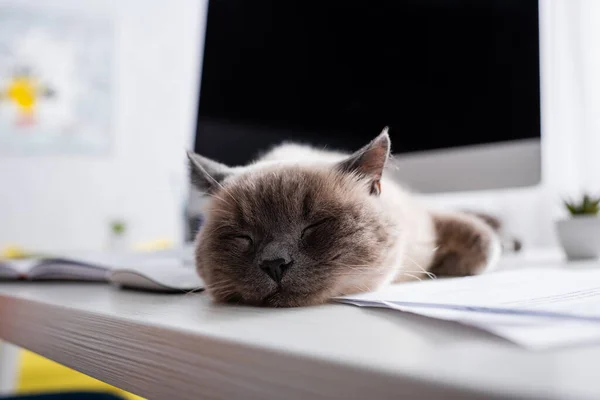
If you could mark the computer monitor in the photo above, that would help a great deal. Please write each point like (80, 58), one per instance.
(457, 82)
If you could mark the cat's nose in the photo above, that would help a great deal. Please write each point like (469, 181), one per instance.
(276, 268)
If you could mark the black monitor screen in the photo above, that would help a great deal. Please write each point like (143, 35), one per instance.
(439, 73)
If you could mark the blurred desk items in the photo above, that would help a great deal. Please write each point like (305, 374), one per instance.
(167, 270)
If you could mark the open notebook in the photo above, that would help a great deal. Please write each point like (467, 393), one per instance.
(155, 271)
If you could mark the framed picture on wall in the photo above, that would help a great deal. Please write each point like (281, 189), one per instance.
(56, 82)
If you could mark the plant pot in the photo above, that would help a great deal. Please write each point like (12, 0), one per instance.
(580, 236)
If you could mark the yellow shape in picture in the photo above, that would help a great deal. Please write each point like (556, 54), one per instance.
(22, 90)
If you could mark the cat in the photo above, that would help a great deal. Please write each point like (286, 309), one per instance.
(300, 226)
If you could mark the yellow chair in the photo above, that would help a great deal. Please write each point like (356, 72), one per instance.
(40, 375)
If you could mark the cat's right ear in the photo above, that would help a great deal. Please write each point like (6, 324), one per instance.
(370, 161)
(206, 175)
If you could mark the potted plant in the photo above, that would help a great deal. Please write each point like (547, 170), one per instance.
(118, 239)
(579, 235)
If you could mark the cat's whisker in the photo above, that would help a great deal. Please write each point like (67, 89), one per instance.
(356, 265)
(412, 260)
(219, 283)
(192, 291)
(224, 285)
(222, 292)
(220, 288)
(214, 196)
(367, 267)
(420, 273)
(359, 270)
(228, 194)
(409, 275)
(374, 271)
(356, 272)
(362, 288)
(353, 273)
(222, 188)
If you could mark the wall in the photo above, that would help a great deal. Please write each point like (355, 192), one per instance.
(55, 202)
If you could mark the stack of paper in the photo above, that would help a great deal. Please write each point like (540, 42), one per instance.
(536, 308)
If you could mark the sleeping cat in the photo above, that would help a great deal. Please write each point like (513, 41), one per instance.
(300, 226)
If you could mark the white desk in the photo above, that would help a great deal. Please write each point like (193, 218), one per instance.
(184, 347)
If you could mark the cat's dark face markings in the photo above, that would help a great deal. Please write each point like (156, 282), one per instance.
(292, 235)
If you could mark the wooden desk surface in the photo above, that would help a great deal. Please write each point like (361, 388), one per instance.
(185, 347)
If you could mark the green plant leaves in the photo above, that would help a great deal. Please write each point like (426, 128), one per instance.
(587, 206)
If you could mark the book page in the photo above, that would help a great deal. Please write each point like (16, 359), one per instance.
(171, 270)
(95, 266)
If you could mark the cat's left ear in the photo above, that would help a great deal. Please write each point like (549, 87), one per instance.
(207, 175)
(369, 161)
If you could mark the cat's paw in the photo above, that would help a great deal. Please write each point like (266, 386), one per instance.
(465, 245)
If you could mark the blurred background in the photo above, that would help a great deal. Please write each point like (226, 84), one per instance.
(100, 99)
(141, 62)
(65, 196)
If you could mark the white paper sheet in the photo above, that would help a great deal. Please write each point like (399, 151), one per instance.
(536, 308)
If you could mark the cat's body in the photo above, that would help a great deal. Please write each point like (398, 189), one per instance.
(302, 225)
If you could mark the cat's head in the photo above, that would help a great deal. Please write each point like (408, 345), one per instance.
(293, 234)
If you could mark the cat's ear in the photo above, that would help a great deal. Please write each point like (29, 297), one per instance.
(369, 161)
(206, 175)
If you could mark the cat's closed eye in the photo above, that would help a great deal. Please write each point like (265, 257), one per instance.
(243, 241)
(314, 226)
